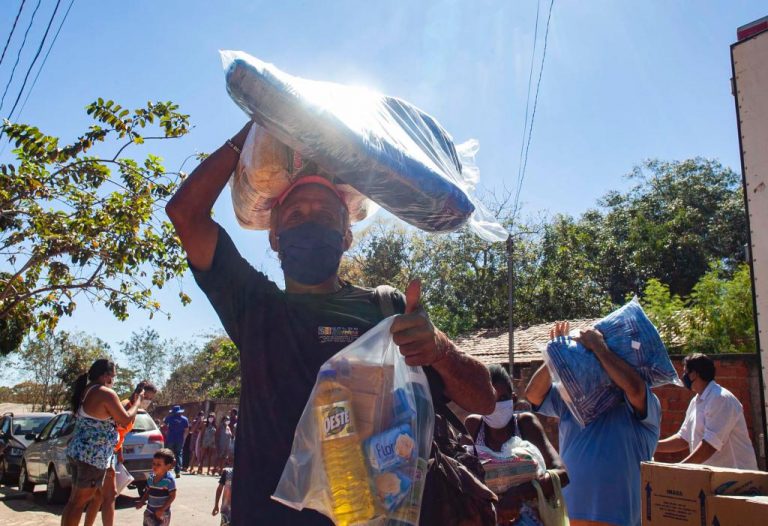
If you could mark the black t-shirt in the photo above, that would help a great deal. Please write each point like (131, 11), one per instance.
(283, 340)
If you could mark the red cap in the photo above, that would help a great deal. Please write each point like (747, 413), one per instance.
(310, 179)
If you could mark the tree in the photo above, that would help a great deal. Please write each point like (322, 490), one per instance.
(721, 312)
(147, 354)
(677, 218)
(76, 222)
(222, 377)
(42, 359)
(55, 361)
(213, 371)
(667, 311)
(566, 278)
(715, 318)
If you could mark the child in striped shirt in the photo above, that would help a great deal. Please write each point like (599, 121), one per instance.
(161, 490)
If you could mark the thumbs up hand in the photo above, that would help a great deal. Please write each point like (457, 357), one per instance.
(419, 341)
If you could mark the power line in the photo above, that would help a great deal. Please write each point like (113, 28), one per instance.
(37, 54)
(45, 59)
(7, 42)
(527, 102)
(18, 55)
(535, 103)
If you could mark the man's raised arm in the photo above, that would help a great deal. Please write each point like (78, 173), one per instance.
(190, 208)
(467, 381)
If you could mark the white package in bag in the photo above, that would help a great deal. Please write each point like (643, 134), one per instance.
(361, 446)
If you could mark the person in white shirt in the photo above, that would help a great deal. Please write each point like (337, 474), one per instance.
(714, 430)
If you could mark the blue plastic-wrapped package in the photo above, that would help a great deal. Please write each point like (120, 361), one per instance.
(385, 148)
(582, 382)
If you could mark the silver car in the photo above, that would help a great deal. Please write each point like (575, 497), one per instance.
(45, 459)
(139, 447)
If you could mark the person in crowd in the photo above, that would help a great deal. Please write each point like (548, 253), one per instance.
(178, 428)
(714, 431)
(498, 428)
(109, 489)
(98, 411)
(194, 440)
(604, 457)
(284, 330)
(224, 495)
(224, 444)
(161, 490)
(208, 445)
(232, 419)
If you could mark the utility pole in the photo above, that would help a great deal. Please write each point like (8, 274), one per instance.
(511, 303)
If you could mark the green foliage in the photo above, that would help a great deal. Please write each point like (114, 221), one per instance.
(148, 355)
(76, 222)
(659, 237)
(665, 310)
(717, 316)
(677, 218)
(222, 377)
(213, 371)
(721, 312)
(54, 362)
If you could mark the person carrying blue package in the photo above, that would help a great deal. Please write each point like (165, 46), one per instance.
(284, 336)
(604, 457)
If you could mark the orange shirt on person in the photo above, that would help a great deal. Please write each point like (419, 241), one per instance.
(122, 431)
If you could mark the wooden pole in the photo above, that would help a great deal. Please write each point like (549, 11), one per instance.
(511, 303)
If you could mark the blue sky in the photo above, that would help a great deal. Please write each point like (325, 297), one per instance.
(623, 82)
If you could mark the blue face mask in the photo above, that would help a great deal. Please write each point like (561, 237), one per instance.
(687, 382)
(310, 253)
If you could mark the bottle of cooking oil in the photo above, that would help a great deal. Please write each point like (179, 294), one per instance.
(342, 452)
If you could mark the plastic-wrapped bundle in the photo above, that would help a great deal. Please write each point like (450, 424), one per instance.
(385, 148)
(265, 170)
(585, 386)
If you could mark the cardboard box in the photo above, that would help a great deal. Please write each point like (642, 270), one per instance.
(367, 382)
(738, 511)
(680, 494)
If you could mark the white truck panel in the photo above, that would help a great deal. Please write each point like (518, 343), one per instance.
(750, 81)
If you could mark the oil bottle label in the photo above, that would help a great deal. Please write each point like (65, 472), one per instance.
(335, 420)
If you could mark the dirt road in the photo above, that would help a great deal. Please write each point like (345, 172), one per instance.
(193, 505)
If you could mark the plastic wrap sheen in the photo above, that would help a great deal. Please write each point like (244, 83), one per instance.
(385, 148)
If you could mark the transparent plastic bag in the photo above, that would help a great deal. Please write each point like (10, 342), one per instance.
(382, 410)
(385, 148)
(122, 478)
(266, 169)
(584, 385)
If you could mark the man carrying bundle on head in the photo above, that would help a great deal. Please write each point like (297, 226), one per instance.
(284, 336)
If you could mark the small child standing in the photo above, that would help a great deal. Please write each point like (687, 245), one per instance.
(161, 490)
(225, 487)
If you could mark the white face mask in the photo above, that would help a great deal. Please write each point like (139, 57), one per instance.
(145, 404)
(501, 415)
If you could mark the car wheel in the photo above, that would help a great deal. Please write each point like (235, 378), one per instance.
(54, 493)
(24, 482)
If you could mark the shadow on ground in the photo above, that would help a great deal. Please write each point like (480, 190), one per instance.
(20, 501)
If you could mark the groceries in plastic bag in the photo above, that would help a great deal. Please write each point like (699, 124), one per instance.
(385, 148)
(518, 462)
(361, 447)
(266, 169)
(584, 385)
